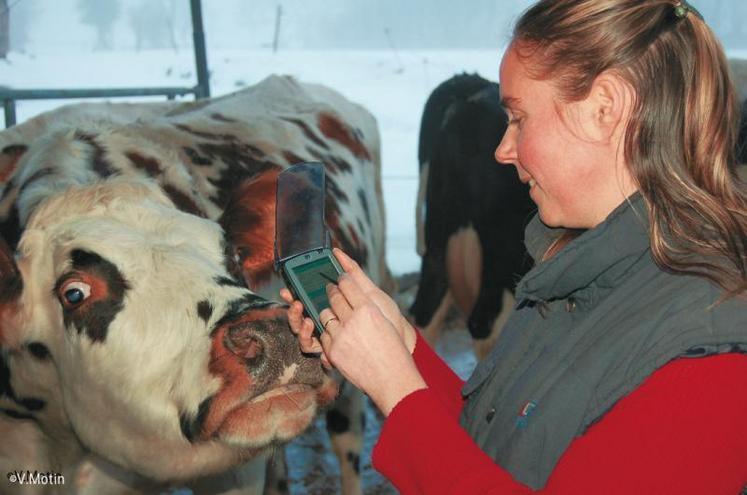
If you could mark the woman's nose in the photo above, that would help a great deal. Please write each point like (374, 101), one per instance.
(505, 153)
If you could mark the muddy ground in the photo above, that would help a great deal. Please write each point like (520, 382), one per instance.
(313, 468)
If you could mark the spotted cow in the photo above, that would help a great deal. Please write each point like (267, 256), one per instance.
(471, 212)
(141, 346)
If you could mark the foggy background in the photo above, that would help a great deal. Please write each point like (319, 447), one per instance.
(53, 25)
(387, 55)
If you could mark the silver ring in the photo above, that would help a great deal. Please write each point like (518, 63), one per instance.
(330, 320)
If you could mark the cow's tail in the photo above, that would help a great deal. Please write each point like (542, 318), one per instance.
(420, 207)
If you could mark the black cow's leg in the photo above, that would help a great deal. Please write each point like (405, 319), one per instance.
(276, 474)
(487, 306)
(495, 300)
(432, 288)
(345, 423)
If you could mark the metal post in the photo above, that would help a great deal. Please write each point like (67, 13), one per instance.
(10, 112)
(198, 36)
(278, 15)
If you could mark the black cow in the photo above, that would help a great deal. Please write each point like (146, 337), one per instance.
(472, 209)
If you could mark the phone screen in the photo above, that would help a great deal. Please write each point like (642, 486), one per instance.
(314, 277)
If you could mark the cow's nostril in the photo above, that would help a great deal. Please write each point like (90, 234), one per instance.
(245, 343)
(253, 348)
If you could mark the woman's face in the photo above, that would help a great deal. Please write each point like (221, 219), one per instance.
(559, 149)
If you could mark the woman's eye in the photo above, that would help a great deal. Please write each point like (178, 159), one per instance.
(75, 293)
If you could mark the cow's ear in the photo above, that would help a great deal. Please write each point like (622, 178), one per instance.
(249, 223)
(11, 285)
(9, 157)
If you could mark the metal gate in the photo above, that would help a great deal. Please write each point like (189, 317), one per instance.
(201, 90)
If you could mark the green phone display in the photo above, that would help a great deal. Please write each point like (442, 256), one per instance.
(307, 276)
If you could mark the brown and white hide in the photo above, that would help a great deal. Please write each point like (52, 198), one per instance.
(141, 344)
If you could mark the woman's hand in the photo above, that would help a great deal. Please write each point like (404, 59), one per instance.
(366, 348)
(303, 327)
(387, 306)
(367, 338)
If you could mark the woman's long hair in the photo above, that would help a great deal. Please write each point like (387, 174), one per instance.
(681, 137)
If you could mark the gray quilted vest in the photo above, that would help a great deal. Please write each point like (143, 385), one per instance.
(589, 326)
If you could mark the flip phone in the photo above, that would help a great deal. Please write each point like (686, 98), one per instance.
(302, 242)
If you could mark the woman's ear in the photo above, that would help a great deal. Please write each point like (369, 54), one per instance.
(609, 104)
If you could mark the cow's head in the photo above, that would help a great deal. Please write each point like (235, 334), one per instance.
(166, 363)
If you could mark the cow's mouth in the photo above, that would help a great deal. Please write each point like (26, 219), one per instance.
(278, 414)
(287, 391)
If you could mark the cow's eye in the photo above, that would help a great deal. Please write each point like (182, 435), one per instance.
(75, 293)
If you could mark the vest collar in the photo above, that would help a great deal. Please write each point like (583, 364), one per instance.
(598, 257)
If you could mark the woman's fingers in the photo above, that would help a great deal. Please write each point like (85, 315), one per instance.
(327, 317)
(295, 316)
(309, 343)
(286, 295)
(354, 270)
(338, 303)
(300, 325)
(306, 339)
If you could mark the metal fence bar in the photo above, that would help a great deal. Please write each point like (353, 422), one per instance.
(202, 90)
(52, 94)
(10, 96)
(10, 112)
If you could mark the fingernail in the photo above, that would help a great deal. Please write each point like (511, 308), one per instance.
(341, 253)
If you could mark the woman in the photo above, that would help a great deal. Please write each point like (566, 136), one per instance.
(623, 368)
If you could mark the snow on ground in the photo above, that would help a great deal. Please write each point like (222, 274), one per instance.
(392, 85)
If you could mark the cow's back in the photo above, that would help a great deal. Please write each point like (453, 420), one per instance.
(200, 151)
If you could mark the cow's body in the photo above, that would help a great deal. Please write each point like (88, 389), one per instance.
(738, 67)
(474, 211)
(131, 211)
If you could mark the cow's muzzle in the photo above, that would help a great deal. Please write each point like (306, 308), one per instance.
(261, 340)
(271, 390)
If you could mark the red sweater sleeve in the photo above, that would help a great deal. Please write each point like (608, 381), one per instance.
(440, 378)
(682, 431)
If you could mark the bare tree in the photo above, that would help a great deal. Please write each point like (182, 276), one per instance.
(153, 23)
(21, 15)
(100, 14)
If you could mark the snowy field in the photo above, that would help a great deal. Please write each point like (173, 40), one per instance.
(394, 86)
